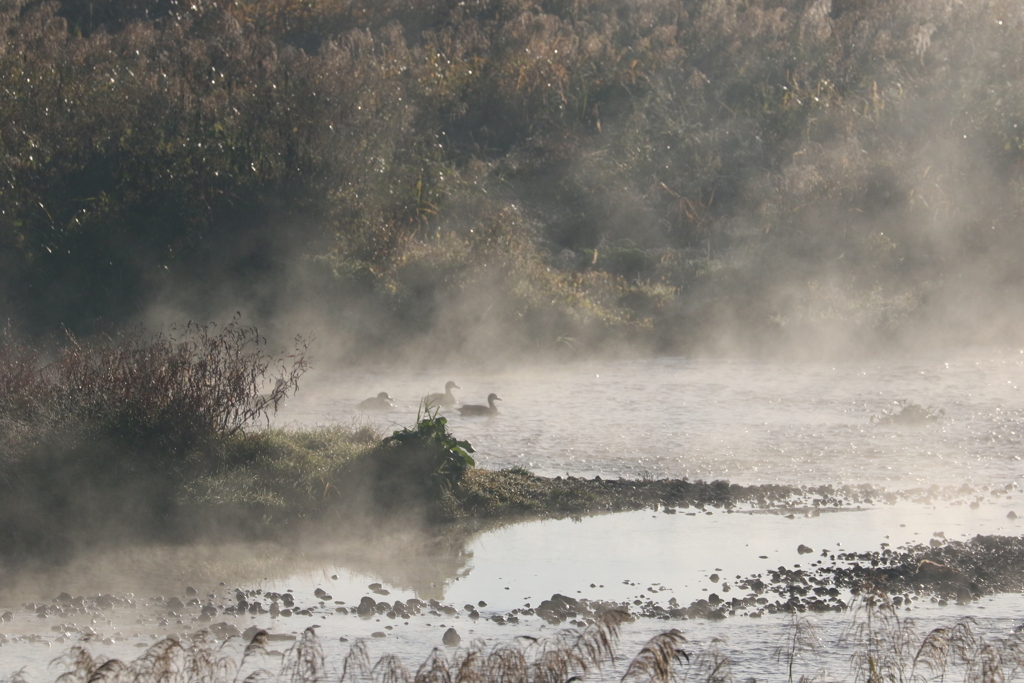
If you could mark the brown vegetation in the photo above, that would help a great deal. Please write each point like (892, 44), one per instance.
(566, 173)
(882, 646)
(97, 438)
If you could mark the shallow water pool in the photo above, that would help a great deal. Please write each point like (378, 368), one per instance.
(747, 422)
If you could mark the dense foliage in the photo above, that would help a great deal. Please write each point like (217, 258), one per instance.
(557, 171)
(432, 449)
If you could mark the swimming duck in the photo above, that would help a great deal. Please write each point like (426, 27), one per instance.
(445, 400)
(379, 402)
(488, 409)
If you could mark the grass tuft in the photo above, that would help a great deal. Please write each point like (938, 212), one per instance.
(885, 649)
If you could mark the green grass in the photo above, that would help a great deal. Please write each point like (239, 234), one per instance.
(294, 473)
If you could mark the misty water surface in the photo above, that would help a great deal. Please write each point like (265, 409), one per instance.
(746, 421)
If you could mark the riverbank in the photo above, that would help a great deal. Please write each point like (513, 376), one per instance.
(278, 483)
(190, 614)
(690, 569)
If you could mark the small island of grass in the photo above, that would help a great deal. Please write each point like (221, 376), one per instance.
(168, 436)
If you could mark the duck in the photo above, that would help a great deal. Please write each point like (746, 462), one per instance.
(379, 402)
(445, 400)
(489, 409)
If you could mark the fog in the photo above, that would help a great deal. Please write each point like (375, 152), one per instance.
(819, 179)
(688, 239)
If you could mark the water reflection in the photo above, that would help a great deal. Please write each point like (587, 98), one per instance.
(751, 423)
(638, 556)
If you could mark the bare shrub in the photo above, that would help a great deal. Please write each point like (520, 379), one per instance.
(109, 437)
(170, 392)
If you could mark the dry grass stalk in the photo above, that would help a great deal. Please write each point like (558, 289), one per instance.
(657, 660)
(168, 661)
(304, 661)
(885, 652)
(505, 664)
(711, 665)
(390, 669)
(355, 668)
(435, 669)
(802, 638)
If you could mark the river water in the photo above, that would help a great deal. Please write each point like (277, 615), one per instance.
(749, 422)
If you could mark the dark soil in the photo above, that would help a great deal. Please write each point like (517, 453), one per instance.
(514, 493)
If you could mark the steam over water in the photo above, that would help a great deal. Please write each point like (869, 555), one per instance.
(749, 422)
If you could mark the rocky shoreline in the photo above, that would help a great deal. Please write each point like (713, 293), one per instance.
(943, 573)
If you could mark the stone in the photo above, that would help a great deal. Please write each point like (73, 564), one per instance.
(451, 638)
(933, 570)
(367, 607)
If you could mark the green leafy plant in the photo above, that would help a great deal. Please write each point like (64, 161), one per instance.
(447, 457)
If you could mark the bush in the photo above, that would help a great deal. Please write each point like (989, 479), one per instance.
(97, 441)
(620, 156)
(414, 471)
(163, 396)
(273, 479)
(432, 450)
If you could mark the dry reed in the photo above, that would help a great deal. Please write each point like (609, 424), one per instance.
(886, 648)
